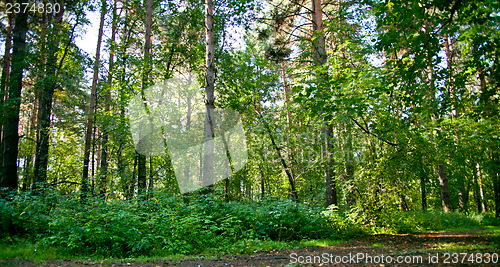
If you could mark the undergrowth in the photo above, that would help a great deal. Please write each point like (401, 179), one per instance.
(187, 225)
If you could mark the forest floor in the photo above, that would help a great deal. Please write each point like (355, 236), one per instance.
(462, 248)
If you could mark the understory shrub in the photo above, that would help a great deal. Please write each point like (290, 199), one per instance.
(161, 224)
(189, 224)
(420, 221)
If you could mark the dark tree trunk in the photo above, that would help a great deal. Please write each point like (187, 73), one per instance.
(403, 204)
(423, 181)
(262, 182)
(477, 198)
(445, 188)
(141, 177)
(228, 155)
(122, 102)
(495, 173)
(289, 174)
(4, 79)
(92, 106)
(10, 134)
(320, 58)
(45, 102)
(463, 195)
(131, 181)
(105, 135)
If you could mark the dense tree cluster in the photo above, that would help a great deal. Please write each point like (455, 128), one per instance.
(366, 105)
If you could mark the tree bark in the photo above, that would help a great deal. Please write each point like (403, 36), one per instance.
(122, 102)
(495, 173)
(423, 181)
(347, 153)
(444, 186)
(5, 78)
(92, 106)
(320, 58)
(481, 189)
(477, 197)
(228, 155)
(10, 135)
(107, 107)
(289, 174)
(141, 168)
(208, 157)
(45, 102)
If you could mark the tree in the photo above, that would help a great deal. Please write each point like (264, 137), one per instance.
(141, 170)
(105, 136)
(49, 85)
(92, 105)
(5, 77)
(320, 58)
(10, 136)
(208, 159)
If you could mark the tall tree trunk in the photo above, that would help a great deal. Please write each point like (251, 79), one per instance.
(402, 202)
(4, 79)
(92, 106)
(477, 197)
(105, 135)
(289, 174)
(320, 58)
(131, 184)
(10, 135)
(289, 118)
(228, 155)
(151, 180)
(288, 93)
(141, 169)
(28, 160)
(208, 157)
(495, 173)
(444, 186)
(187, 169)
(45, 102)
(262, 181)
(481, 188)
(347, 153)
(423, 181)
(463, 194)
(122, 102)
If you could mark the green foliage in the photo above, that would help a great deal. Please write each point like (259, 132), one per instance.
(186, 225)
(343, 224)
(162, 225)
(421, 221)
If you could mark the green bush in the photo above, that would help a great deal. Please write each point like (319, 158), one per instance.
(343, 225)
(160, 225)
(420, 221)
(166, 224)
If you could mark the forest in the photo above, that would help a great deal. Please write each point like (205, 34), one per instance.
(215, 127)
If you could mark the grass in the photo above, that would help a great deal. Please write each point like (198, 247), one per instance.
(27, 251)
(32, 252)
(492, 230)
(319, 243)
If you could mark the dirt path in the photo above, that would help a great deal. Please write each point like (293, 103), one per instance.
(437, 249)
